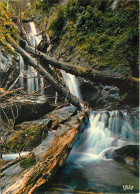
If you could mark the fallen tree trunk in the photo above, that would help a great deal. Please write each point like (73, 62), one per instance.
(54, 157)
(57, 86)
(102, 77)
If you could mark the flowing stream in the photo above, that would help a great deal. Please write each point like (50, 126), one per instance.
(90, 166)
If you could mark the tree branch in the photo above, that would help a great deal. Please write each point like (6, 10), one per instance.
(102, 77)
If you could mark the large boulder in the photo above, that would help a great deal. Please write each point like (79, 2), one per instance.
(128, 154)
(25, 108)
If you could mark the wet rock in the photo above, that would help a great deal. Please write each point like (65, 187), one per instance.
(128, 154)
(109, 94)
(90, 92)
(134, 117)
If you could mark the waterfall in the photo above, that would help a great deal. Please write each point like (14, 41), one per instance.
(21, 64)
(35, 40)
(72, 84)
(32, 82)
(106, 131)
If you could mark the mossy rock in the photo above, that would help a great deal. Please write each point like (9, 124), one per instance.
(35, 135)
(27, 139)
(16, 142)
(126, 154)
(29, 108)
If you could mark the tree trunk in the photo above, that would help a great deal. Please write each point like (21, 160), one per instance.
(102, 77)
(42, 71)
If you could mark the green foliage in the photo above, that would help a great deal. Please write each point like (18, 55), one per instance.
(6, 26)
(104, 36)
(57, 22)
(44, 5)
(28, 162)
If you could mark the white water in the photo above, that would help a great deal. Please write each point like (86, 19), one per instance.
(30, 80)
(72, 84)
(21, 63)
(106, 131)
(32, 75)
(35, 40)
(42, 85)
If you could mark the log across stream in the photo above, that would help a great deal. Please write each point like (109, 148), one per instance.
(90, 167)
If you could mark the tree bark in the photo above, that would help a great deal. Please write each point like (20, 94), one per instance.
(102, 77)
(42, 71)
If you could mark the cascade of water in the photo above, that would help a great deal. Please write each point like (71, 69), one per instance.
(106, 131)
(30, 80)
(42, 85)
(21, 63)
(32, 83)
(72, 84)
(35, 40)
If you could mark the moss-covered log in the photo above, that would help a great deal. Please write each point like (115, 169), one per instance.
(42, 71)
(105, 78)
